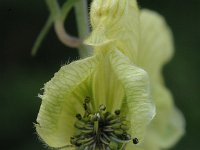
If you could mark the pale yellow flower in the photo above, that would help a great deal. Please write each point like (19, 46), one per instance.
(83, 88)
(130, 48)
(146, 39)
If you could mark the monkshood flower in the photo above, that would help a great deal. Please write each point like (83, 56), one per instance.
(108, 95)
(145, 38)
(104, 101)
(101, 102)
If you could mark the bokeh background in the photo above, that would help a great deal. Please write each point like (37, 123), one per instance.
(22, 76)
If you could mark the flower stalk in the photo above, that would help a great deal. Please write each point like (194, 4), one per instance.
(81, 10)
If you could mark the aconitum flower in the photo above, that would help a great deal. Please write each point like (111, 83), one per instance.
(105, 101)
(145, 38)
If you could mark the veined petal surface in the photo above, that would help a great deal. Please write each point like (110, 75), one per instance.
(62, 100)
(106, 87)
(156, 43)
(138, 106)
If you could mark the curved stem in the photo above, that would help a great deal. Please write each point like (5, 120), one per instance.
(62, 35)
(81, 10)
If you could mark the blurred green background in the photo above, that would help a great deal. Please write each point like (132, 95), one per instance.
(22, 76)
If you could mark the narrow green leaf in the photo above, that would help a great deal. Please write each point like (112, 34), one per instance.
(42, 35)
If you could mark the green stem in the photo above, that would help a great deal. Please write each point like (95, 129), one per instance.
(81, 10)
(62, 35)
(54, 9)
(58, 16)
(54, 12)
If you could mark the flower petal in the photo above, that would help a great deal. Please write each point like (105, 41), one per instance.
(106, 88)
(115, 22)
(175, 129)
(168, 125)
(139, 107)
(156, 49)
(63, 98)
(156, 46)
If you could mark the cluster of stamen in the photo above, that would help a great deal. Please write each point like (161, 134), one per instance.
(102, 130)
